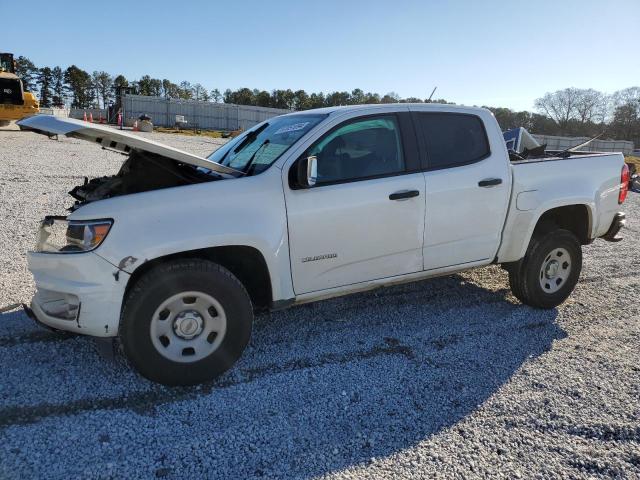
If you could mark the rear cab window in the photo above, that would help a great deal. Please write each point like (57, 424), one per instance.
(451, 139)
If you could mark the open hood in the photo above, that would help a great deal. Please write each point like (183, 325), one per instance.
(119, 140)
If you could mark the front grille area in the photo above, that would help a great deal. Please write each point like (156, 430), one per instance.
(10, 92)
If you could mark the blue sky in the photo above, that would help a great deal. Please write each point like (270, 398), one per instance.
(496, 53)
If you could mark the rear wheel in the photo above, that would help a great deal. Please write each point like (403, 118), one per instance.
(185, 322)
(548, 273)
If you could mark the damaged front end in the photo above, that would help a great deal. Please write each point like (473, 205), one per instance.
(141, 172)
(77, 290)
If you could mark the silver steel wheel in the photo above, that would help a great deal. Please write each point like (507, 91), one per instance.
(188, 327)
(555, 270)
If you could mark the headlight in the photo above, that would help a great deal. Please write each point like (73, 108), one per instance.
(57, 234)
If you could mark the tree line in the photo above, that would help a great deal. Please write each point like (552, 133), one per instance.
(570, 112)
(80, 89)
(580, 112)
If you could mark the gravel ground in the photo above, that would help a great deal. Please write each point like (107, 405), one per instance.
(450, 377)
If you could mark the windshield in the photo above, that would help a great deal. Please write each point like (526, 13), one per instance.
(257, 149)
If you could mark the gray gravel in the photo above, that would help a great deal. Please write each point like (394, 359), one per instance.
(450, 377)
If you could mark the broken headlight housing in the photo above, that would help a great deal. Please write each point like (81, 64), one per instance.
(59, 235)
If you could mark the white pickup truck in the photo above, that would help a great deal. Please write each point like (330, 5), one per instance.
(174, 253)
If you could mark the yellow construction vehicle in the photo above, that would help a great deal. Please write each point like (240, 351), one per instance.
(15, 103)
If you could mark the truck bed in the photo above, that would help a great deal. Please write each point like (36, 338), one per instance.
(590, 179)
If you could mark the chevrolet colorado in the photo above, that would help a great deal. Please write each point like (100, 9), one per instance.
(173, 254)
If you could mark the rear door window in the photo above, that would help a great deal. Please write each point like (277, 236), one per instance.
(452, 139)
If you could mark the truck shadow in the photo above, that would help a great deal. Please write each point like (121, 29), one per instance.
(444, 346)
(322, 387)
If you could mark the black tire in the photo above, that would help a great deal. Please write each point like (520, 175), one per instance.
(525, 276)
(170, 279)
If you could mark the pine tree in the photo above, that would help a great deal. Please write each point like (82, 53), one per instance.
(216, 96)
(27, 71)
(103, 85)
(57, 76)
(45, 82)
(79, 85)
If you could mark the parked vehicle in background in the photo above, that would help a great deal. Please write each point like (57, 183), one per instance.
(15, 103)
(174, 253)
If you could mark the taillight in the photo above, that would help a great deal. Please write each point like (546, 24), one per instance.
(624, 184)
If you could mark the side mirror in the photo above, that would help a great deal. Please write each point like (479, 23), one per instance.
(308, 171)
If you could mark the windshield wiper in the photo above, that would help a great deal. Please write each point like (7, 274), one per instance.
(249, 164)
(251, 136)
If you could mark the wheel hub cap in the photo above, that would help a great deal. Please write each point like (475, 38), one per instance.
(188, 324)
(552, 269)
(555, 270)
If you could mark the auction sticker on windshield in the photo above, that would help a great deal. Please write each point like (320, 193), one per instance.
(292, 128)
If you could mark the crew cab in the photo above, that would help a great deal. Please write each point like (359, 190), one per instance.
(174, 253)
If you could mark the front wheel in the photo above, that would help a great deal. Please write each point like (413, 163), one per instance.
(185, 322)
(548, 273)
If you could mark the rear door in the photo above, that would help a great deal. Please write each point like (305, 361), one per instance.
(364, 218)
(467, 189)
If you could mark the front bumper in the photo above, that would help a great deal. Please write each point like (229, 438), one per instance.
(98, 286)
(619, 221)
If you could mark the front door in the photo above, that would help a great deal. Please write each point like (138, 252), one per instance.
(364, 218)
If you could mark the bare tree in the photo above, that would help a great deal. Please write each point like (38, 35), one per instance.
(628, 96)
(561, 106)
(590, 106)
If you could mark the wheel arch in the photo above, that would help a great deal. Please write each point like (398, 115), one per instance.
(576, 216)
(246, 263)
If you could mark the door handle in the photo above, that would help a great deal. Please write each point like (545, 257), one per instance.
(490, 182)
(404, 194)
